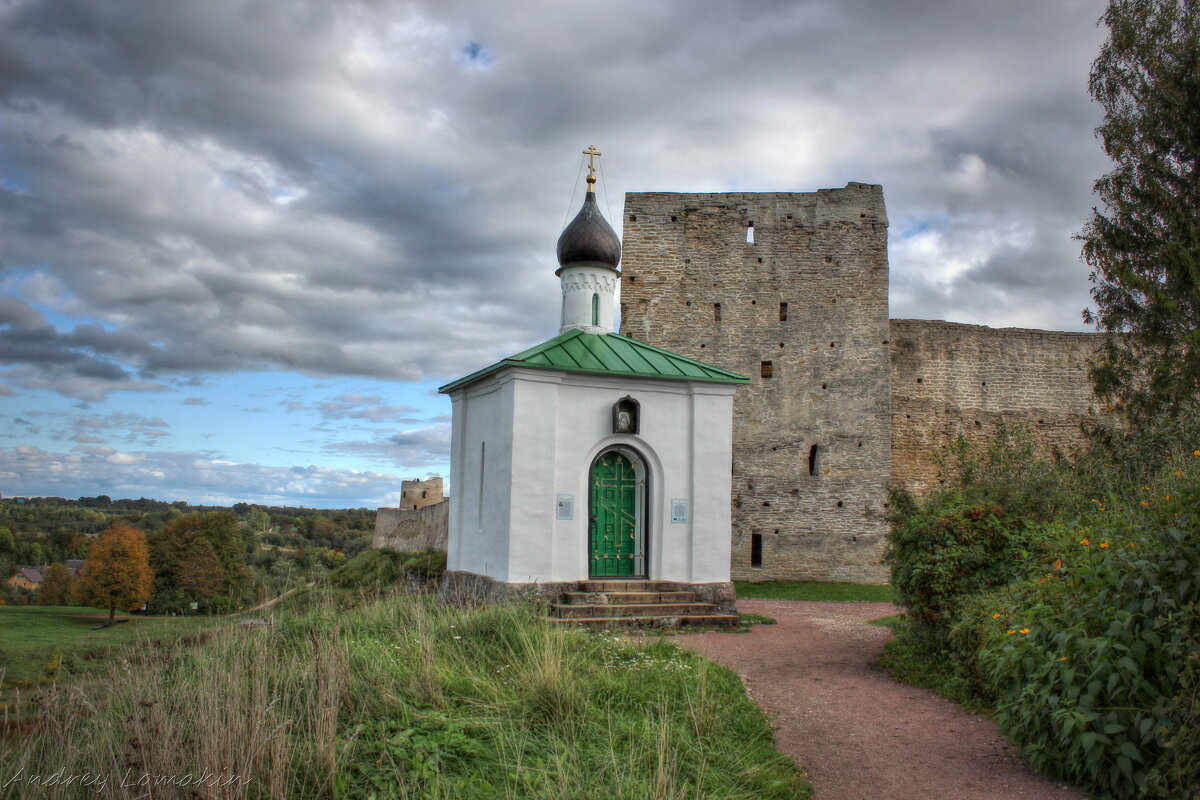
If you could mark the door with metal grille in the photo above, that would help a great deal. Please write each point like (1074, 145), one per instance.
(614, 528)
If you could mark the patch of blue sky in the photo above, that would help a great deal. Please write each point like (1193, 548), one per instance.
(475, 54)
(277, 419)
(915, 226)
(16, 180)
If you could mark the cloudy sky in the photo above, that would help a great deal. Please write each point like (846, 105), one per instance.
(243, 241)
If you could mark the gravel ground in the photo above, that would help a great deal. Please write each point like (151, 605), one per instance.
(858, 733)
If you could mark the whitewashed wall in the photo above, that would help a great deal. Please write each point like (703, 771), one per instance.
(560, 422)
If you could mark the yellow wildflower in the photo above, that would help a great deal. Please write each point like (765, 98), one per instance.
(1084, 542)
(1064, 658)
(1104, 545)
(1010, 633)
(1196, 453)
(1024, 630)
(996, 616)
(1145, 503)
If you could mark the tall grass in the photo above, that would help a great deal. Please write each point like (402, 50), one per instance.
(404, 699)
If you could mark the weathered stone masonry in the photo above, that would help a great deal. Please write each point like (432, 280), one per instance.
(949, 378)
(420, 523)
(791, 289)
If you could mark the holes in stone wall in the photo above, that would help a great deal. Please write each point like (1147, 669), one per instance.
(783, 312)
(840, 504)
(673, 218)
(717, 312)
(687, 261)
(814, 456)
(823, 386)
(920, 380)
(756, 550)
(828, 259)
(767, 369)
(633, 217)
(760, 261)
(766, 505)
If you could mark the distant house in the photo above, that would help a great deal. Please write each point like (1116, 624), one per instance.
(27, 578)
(32, 577)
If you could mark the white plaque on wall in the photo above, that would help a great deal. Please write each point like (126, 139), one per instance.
(566, 506)
(679, 509)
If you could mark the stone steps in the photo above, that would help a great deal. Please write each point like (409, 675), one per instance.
(651, 621)
(603, 598)
(642, 604)
(568, 611)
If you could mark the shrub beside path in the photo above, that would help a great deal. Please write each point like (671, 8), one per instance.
(860, 734)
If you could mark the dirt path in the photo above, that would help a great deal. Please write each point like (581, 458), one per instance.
(861, 735)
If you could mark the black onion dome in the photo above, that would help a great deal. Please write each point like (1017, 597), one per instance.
(589, 238)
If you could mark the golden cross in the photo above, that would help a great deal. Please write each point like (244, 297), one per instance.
(591, 153)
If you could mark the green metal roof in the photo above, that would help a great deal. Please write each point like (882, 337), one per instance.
(606, 354)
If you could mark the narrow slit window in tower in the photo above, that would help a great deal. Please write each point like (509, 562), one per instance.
(750, 232)
(767, 369)
(813, 452)
(756, 549)
(595, 309)
(783, 312)
(717, 311)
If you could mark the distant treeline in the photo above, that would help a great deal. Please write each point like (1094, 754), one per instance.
(280, 546)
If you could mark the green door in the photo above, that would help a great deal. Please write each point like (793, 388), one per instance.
(614, 518)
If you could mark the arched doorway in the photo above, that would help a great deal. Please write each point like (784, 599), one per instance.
(617, 502)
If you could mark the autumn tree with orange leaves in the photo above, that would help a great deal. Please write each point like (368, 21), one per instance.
(117, 572)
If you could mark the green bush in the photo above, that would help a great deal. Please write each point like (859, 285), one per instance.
(976, 534)
(380, 568)
(1092, 669)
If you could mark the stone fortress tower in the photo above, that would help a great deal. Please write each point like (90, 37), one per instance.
(791, 289)
(419, 523)
(418, 494)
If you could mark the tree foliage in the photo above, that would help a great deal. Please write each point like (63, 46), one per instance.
(117, 573)
(56, 586)
(1144, 245)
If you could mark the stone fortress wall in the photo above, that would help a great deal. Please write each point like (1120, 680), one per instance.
(791, 289)
(949, 378)
(420, 523)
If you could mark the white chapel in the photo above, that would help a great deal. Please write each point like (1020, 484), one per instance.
(591, 462)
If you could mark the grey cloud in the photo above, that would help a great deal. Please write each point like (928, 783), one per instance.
(198, 477)
(358, 406)
(418, 447)
(343, 189)
(195, 401)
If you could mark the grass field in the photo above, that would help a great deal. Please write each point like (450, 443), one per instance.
(348, 696)
(814, 590)
(30, 636)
